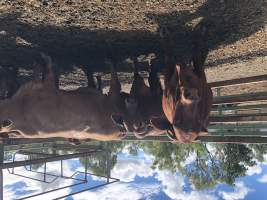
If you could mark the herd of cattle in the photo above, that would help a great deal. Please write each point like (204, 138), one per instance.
(38, 109)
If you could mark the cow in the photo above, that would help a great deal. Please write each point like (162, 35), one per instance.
(144, 102)
(187, 98)
(40, 110)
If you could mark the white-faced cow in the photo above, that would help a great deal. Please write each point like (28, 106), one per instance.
(40, 110)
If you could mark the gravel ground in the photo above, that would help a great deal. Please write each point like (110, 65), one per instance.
(74, 32)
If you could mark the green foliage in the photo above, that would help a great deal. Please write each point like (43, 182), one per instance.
(226, 163)
(97, 163)
(259, 150)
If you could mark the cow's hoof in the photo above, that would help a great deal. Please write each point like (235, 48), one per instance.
(4, 135)
(164, 32)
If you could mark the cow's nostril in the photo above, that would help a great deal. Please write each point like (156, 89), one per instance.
(137, 126)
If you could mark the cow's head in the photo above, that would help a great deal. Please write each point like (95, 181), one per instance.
(181, 103)
(129, 118)
(138, 122)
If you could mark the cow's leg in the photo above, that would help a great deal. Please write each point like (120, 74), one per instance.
(99, 83)
(115, 85)
(8, 83)
(38, 72)
(90, 78)
(200, 49)
(153, 80)
(14, 86)
(138, 87)
(168, 49)
(56, 76)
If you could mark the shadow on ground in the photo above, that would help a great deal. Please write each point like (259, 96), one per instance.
(226, 22)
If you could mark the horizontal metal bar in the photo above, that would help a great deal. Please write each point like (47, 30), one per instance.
(35, 179)
(64, 187)
(239, 81)
(48, 159)
(248, 97)
(23, 152)
(75, 147)
(200, 139)
(238, 126)
(237, 107)
(237, 133)
(22, 141)
(240, 117)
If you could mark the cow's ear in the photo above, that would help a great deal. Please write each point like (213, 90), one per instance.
(117, 119)
(160, 123)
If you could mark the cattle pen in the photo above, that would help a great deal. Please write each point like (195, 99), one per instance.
(236, 119)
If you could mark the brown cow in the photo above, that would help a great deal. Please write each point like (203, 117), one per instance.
(40, 110)
(187, 98)
(144, 102)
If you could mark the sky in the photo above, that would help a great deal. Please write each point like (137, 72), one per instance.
(137, 181)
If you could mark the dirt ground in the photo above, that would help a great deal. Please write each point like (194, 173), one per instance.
(75, 32)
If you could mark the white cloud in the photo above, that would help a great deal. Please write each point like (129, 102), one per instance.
(36, 186)
(256, 169)
(265, 159)
(127, 170)
(122, 191)
(172, 184)
(173, 187)
(263, 179)
(239, 193)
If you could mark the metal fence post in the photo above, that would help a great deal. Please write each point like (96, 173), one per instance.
(1, 170)
(108, 157)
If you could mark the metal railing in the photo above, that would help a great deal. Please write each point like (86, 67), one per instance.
(39, 157)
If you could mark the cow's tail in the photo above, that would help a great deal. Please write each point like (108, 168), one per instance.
(49, 76)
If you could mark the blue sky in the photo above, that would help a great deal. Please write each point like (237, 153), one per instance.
(138, 181)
